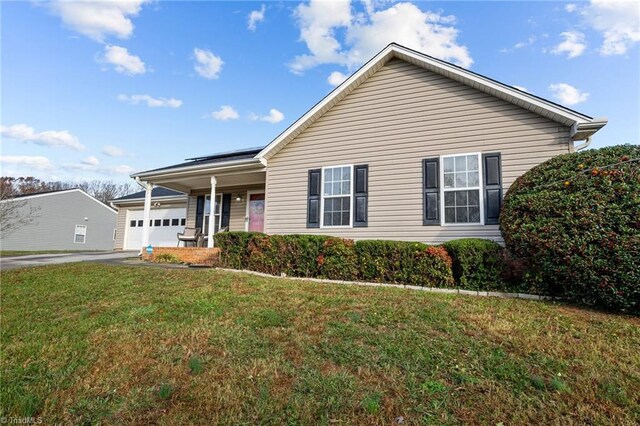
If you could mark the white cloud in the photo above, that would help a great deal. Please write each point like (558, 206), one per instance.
(151, 101)
(123, 61)
(519, 45)
(226, 112)
(573, 44)
(34, 162)
(98, 19)
(617, 21)
(366, 33)
(335, 78)
(24, 133)
(567, 94)
(91, 160)
(524, 89)
(113, 151)
(103, 170)
(207, 64)
(571, 7)
(273, 117)
(254, 17)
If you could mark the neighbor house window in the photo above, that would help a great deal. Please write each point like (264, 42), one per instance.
(207, 209)
(336, 196)
(133, 223)
(461, 189)
(183, 222)
(175, 222)
(80, 234)
(165, 222)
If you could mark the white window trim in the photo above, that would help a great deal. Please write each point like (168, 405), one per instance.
(207, 211)
(75, 232)
(246, 217)
(322, 196)
(480, 188)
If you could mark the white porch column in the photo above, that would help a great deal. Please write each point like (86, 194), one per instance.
(212, 212)
(148, 187)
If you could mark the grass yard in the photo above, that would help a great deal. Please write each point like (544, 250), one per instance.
(89, 343)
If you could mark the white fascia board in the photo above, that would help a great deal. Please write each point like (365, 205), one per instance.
(199, 168)
(381, 57)
(492, 87)
(582, 131)
(181, 198)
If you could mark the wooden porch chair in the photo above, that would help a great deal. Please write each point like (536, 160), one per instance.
(189, 235)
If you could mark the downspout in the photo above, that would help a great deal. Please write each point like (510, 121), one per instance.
(582, 146)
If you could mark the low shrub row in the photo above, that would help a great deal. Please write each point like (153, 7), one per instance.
(470, 263)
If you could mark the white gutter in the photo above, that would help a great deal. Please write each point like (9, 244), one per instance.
(582, 146)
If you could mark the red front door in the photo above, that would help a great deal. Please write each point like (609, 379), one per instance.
(256, 212)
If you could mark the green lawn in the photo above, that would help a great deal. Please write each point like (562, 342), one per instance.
(90, 343)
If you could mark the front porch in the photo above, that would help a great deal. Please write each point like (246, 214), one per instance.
(236, 183)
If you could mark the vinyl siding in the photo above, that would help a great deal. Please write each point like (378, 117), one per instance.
(238, 210)
(54, 217)
(399, 116)
(121, 224)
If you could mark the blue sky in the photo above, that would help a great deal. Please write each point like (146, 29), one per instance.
(99, 90)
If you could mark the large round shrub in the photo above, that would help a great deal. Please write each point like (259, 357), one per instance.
(576, 219)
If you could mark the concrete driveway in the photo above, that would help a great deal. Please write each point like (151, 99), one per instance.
(12, 262)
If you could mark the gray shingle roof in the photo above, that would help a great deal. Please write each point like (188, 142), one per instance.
(212, 159)
(155, 192)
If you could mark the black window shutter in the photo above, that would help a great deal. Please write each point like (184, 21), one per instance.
(492, 187)
(199, 211)
(431, 191)
(313, 198)
(360, 196)
(226, 210)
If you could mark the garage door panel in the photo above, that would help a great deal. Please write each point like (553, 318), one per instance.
(165, 224)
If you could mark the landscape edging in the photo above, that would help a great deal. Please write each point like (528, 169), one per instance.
(499, 294)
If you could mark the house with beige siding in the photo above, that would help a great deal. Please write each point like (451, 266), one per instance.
(409, 147)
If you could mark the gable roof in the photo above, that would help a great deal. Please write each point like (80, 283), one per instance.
(582, 126)
(58, 192)
(157, 192)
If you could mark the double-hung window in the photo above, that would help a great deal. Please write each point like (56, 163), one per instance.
(461, 189)
(80, 234)
(337, 191)
(207, 209)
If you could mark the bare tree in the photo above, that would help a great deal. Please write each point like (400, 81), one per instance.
(104, 191)
(14, 213)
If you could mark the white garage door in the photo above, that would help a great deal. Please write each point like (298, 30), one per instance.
(165, 224)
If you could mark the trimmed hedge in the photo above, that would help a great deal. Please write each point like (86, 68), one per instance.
(337, 258)
(576, 219)
(479, 265)
(404, 262)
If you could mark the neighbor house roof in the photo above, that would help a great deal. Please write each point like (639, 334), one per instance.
(56, 192)
(582, 126)
(220, 159)
(157, 192)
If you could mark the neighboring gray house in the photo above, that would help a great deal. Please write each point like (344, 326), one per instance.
(58, 220)
(409, 147)
(166, 218)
